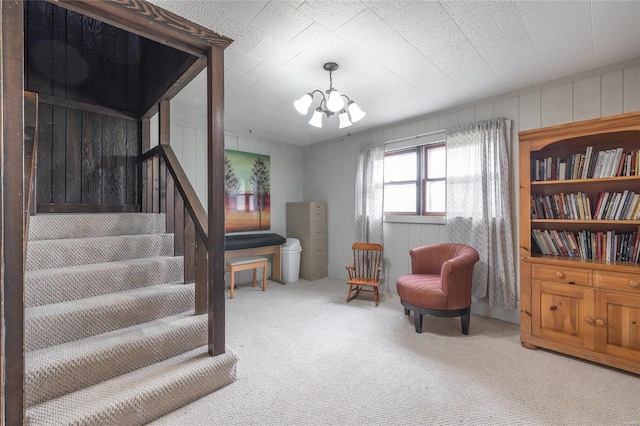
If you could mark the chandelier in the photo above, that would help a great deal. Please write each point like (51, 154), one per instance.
(330, 104)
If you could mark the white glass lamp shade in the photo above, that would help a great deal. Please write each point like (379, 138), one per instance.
(335, 102)
(302, 104)
(316, 120)
(344, 119)
(356, 113)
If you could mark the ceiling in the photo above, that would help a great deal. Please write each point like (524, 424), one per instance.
(398, 59)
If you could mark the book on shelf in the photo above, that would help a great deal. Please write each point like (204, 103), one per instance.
(609, 245)
(614, 162)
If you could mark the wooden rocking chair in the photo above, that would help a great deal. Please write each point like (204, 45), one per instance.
(364, 274)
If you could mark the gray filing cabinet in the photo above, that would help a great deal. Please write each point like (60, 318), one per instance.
(307, 221)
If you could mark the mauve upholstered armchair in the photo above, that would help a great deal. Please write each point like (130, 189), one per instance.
(439, 283)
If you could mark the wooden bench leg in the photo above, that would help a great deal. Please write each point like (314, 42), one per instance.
(264, 277)
(232, 274)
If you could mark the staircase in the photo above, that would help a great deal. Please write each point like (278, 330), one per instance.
(110, 331)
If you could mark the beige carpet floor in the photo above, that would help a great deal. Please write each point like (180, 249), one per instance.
(309, 358)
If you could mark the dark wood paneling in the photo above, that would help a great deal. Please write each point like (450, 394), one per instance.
(77, 69)
(73, 148)
(91, 158)
(59, 53)
(58, 154)
(93, 87)
(114, 160)
(39, 56)
(85, 157)
(87, 208)
(45, 153)
(133, 169)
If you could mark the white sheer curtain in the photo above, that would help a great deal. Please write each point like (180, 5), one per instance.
(369, 194)
(479, 206)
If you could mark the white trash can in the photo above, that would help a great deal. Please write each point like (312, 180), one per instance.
(291, 260)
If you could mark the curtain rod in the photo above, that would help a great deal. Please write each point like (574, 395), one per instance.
(421, 135)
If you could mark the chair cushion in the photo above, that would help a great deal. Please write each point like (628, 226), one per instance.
(422, 290)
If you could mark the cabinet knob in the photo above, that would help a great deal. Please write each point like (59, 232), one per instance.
(634, 284)
(600, 321)
(559, 274)
(589, 320)
(553, 308)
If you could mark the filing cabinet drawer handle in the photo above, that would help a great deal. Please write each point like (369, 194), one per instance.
(634, 284)
(559, 274)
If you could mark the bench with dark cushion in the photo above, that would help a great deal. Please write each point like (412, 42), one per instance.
(247, 241)
(242, 245)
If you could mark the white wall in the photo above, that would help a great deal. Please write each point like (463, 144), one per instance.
(329, 173)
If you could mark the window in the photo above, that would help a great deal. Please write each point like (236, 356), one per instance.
(414, 181)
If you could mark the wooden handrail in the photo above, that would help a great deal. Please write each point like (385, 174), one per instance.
(167, 190)
(183, 185)
(30, 153)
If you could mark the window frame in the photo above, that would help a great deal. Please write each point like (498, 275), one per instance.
(420, 182)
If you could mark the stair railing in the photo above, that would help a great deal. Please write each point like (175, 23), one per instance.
(166, 189)
(30, 152)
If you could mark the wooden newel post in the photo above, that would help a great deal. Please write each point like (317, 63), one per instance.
(215, 199)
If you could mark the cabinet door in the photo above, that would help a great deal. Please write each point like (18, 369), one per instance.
(559, 312)
(618, 325)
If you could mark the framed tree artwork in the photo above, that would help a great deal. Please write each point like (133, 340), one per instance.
(247, 191)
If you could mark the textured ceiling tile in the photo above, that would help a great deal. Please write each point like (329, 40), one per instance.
(268, 72)
(391, 51)
(316, 40)
(331, 14)
(445, 90)
(477, 69)
(275, 50)
(559, 21)
(239, 80)
(244, 36)
(436, 39)
(455, 55)
(239, 60)
(505, 26)
(615, 19)
(417, 17)
(201, 12)
(364, 30)
(515, 68)
(235, 93)
(289, 21)
(244, 11)
(419, 71)
(384, 8)
(467, 12)
(294, 3)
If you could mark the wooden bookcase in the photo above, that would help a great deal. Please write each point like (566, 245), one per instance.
(587, 308)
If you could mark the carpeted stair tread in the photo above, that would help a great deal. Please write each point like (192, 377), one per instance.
(62, 226)
(58, 323)
(46, 286)
(57, 370)
(140, 396)
(47, 254)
